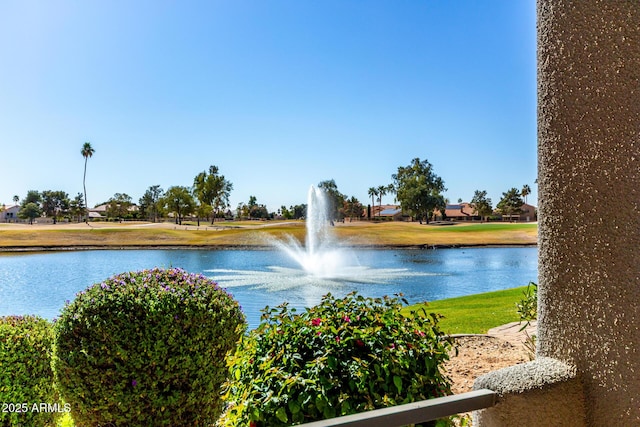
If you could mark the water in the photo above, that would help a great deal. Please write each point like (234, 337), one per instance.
(40, 283)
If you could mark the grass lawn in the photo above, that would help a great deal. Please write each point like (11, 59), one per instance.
(258, 233)
(476, 314)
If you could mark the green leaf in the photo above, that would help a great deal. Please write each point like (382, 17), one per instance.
(397, 381)
(332, 362)
(294, 407)
(281, 414)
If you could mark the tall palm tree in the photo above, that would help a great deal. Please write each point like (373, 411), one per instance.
(87, 151)
(526, 190)
(373, 191)
(382, 190)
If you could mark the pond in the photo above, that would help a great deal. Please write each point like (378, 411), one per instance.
(40, 283)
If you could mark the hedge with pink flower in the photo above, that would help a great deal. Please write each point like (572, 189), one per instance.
(340, 357)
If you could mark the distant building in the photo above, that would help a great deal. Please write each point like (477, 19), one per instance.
(9, 213)
(458, 212)
(527, 213)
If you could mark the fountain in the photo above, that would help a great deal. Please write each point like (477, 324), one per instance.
(323, 262)
(321, 256)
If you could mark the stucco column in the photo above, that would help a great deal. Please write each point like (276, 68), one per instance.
(589, 199)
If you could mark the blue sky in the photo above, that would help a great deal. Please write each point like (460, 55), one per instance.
(278, 94)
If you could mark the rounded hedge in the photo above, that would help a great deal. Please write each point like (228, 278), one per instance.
(146, 348)
(340, 357)
(26, 377)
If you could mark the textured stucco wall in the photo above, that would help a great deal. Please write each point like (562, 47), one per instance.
(589, 199)
(544, 392)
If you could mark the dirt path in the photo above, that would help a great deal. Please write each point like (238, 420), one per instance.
(479, 354)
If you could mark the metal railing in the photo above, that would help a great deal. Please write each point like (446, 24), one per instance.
(416, 412)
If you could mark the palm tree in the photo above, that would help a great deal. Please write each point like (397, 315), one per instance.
(526, 190)
(372, 192)
(382, 190)
(16, 199)
(87, 151)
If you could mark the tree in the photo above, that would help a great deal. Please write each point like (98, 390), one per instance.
(30, 207)
(299, 211)
(526, 190)
(118, 206)
(76, 207)
(212, 189)
(382, 190)
(373, 192)
(149, 203)
(87, 151)
(353, 208)
(29, 211)
(481, 204)
(511, 203)
(16, 199)
(203, 211)
(179, 200)
(54, 204)
(336, 198)
(419, 189)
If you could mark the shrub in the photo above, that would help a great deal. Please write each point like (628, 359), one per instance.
(146, 348)
(26, 378)
(341, 357)
(527, 307)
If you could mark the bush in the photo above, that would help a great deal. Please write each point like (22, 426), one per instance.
(340, 357)
(146, 348)
(26, 378)
(527, 307)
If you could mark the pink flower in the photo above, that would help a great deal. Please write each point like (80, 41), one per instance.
(346, 319)
(420, 333)
(337, 339)
(316, 322)
(359, 343)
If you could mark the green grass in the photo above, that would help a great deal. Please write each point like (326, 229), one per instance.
(475, 314)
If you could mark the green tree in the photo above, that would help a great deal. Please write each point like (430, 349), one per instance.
(373, 193)
(526, 190)
(212, 189)
(149, 203)
(511, 203)
(419, 190)
(382, 191)
(76, 207)
(54, 204)
(179, 200)
(286, 213)
(336, 198)
(481, 204)
(87, 151)
(299, 211)
(29, 211)
(353, 208)
(16, 199)
(118, 206)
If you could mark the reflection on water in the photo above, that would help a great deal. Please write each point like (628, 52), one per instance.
(41, 283)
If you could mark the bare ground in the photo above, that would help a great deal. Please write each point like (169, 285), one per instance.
(480, 354)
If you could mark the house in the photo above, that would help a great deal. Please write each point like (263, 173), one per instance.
(388, 212)
(527, 213)
(460, 212)
(9, 213)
